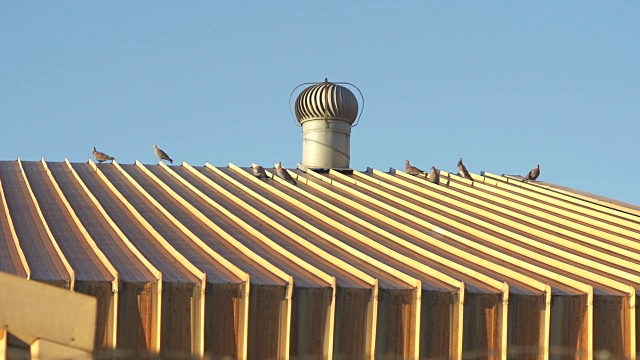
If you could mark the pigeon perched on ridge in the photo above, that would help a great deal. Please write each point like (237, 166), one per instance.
(411, 170)
(434, 177)
(100, 156)
(462, 170)
(283, 173)
(161, 154)
(258, 171)
(533, 174)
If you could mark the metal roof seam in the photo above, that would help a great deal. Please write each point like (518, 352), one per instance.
(396, 273)
(424, 268)
(526, 214)
(525, 239)
(115, 283)
(424, 237)
(573, 283)
(64, 260)
(156, 273)
(356, 272)
(92, 244)
(367, 241)
(198, 340)
(545, 205)
(460, 284)
(221, 259)
(234, 242)
(601, 212)
(14, 236)
(172, 219)
(529, 214)
(504, 244)
(570, 196)
(163, 242)
(596, 201)
(272, 244)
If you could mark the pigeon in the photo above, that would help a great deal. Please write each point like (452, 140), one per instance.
(533, 174)
(411, 170)
(462, 171)
(283, 173)
(100, 156)
(435, 176)
(258, 171)
(161, 154)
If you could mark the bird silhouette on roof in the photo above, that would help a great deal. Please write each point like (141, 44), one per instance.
(258, 171)
(100, 156)
(462, 171)
(283, 173)
(411, 170)
(161, 154)
(533, 174)
(434, 177)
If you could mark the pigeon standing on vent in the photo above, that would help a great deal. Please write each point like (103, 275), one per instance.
(100, 156)
(258, 171)
(434, 177)
(533, 174)
(161, 154)
(462, 171)
(411, 170)
(283, 173)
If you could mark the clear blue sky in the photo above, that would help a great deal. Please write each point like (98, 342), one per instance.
(506, 85)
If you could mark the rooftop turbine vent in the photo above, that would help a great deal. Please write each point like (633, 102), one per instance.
(326, 112)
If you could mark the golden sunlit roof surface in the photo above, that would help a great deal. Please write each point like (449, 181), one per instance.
(350, 264)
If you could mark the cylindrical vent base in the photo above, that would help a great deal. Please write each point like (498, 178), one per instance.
(325, 144)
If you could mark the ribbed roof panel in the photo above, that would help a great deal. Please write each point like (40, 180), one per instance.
(73, 244)
(128, 265)
(133, 229)
(375, 262)
(44, 261)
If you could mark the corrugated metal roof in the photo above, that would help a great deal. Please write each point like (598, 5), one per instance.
(205, 259)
